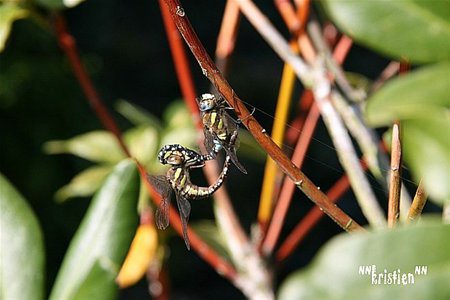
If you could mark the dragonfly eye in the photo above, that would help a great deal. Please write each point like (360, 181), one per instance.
(207, 104)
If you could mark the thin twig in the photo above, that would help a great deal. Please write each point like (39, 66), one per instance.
(298, 156)
(226, 40)
(309, 221)
(287, 190)
(222, 86)
(270, 171)
(68, 45)
(390, 71)
(418, 203)
(395, 177)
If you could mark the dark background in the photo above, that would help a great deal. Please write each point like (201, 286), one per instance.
(124, 47)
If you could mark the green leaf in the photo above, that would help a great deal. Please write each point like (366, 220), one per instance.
(21, 247)
(99, 146)
(137, 115)
(335, 272)
(84, 183)
(143, 143)
(9, 12)
(426, 150)
(102, 239)
(422, 93)
(177, 116)
(415, 30)
(420, 101)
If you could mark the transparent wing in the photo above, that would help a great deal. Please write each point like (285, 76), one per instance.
(184, 208)
(209, 142)
(162, 186)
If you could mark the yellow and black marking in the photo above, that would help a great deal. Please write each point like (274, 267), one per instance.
(177, 180)
(219, 128)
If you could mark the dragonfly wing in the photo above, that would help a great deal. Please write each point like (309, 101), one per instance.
(163, 187)
(184, 208)
(210, 145)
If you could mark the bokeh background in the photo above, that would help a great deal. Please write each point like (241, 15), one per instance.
(124, 47)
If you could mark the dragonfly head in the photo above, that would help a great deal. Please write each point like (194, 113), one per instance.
(207, 102)
(172, 155)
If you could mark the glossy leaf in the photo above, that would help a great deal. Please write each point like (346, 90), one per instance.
(335, 272)
(99, 146)
(21, 247)
(84, 183)
(415, 30)
(426, 150)
(9, 12)
(420, 101)
(420, 94)
(103, 238)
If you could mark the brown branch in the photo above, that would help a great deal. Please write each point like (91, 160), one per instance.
(287, 190)
(395, 177)
(213, 74)
(245, 257)
(418, 203)
(68, 45)
(310, 220)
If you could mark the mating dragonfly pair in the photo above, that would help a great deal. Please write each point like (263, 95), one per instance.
(221, 132)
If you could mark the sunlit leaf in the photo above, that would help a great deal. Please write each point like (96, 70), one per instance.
(21, 247)
(9, 12)
(143, 143)
(422, 93)
(102, 239)
(83, 184)
(335, 272)
(420, 101)
(99, 146)
(415, 30)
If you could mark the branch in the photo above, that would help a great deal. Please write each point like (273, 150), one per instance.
(395, 177)
(243, 254)
(222, 86)
(68, 45)
(418, 203)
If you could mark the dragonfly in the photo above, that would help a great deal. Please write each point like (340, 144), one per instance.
(220, 129)
(177, 181)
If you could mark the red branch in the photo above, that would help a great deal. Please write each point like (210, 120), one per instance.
(340, 53)
(68, 45)
(213, 74)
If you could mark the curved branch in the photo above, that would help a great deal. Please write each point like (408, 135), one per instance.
(213, 74)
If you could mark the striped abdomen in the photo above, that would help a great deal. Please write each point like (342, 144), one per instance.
(180, 181)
